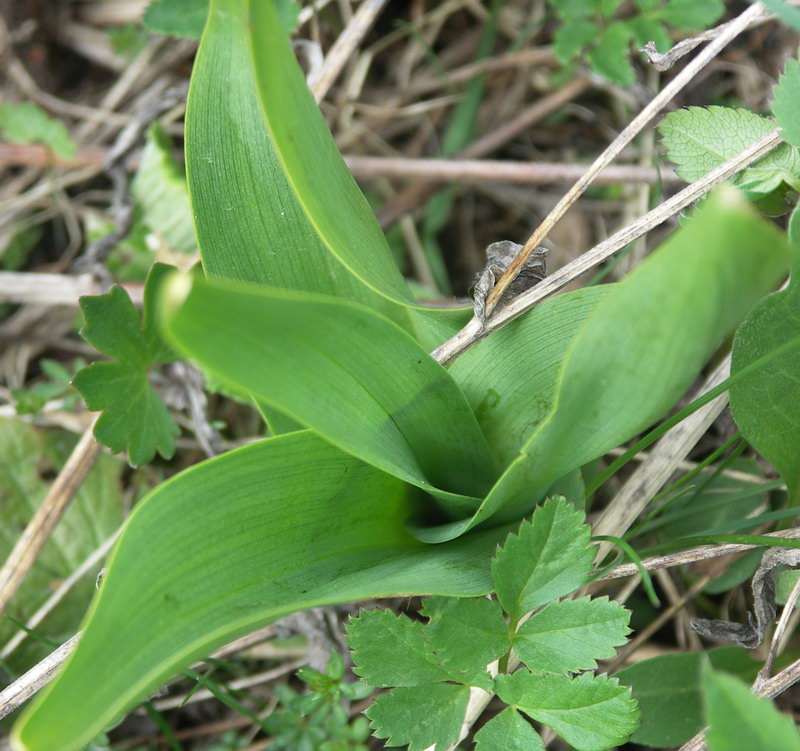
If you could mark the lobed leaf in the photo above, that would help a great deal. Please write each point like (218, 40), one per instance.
(571, 635)
(391, 650)
(589, 712)
(134, 416)
(548, 558)
(337, 367)
(226, 546)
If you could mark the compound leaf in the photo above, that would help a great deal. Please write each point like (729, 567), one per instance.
(569, 636)
(508, 731)
(610, 58)
(548, 558)
(589, 712)
(134, 417)
(420, 717)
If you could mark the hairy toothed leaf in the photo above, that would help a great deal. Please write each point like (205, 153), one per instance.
(466, 634)
(786, 103)
(701, 138)
(548, 558)
(591, 713)
(391, 650)
(739, 720)
(571, 635)
(134, 417)
(356, 378)
(420, 717)
(231, 544)
(766, 404)
(27, 122)
(508, 731)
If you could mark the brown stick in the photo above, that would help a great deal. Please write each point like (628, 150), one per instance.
(44, 520)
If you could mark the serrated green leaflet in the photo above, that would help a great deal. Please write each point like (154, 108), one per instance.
(134, 417)
(293, 521)
(351, 375)
(766, 405)
(508, 731)
(739, 720)
(570, 636)
(591, 713)
(548, 558)
(786, 103)
(698, 139)
(391, 650)
(419, 719)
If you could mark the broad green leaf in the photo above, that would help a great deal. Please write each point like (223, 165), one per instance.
(339, 368)
(766, 405)
(575, 8)
(134, 417)
(739, 720)
(668, 691)
(391, 650)
(180, 18)
(642, 347)
(786, 102)
(589, 712)
(610, 58)
(26, 454)
(646, 30)
(788, 14)
(548, 558)
(508, 731)
(571, 635)
(466, 634)
(691, 14)
(508, 406)
(160, 189)
(420, 717)
(27, 122)
(231, 544)
(701, 138)
(272, 198)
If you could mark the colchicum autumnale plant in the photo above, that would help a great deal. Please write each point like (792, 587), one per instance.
(403, 477)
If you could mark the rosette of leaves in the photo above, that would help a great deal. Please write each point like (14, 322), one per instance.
(404, 475)
(431, 667)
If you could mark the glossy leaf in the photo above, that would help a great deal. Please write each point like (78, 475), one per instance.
(349, 374)
(292, 521)
(766, 405)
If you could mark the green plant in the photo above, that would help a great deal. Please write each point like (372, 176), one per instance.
(432, 666)
(593, 29)
(406, 476)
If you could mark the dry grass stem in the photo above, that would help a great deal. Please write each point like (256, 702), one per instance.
(736, 27)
